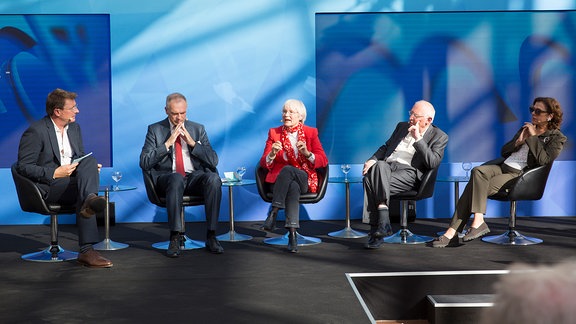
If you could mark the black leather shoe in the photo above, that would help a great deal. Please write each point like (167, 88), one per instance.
(270, 222)
(292, 242)
(213, 245)
(374, 242)
(174, 247)
(92, 205)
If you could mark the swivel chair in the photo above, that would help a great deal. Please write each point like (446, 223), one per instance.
(528, 186)
(160, 201)
(30, 199)
(424, 190)
(306, 198)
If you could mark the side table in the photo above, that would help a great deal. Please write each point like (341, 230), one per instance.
(347, 232)
(232, 236)
(107, 244)
(456, 180)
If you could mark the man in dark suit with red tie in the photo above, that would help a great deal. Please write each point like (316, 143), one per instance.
(178, 155)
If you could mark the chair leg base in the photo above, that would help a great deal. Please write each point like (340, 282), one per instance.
(46, 255)
(404, 236)
(189, 244)
(511, 237)
(302, 240)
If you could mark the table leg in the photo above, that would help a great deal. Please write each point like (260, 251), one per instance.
(107, 244)
(232, 236)
(348, 232)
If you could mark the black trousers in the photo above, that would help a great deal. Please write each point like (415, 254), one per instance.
(290, 183)
(206, 184)
(74, 190)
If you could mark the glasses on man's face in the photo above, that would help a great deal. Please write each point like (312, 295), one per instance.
(537, 111)
(71, 108)
(412, 114)
(288, 112)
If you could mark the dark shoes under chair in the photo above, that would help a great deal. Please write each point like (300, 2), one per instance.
(379, 232)
(270, 222)
(443, 241)
(177, 244)
(92, 205)
(213, 245)
(93, 259)
(292, 242)
(474, 233)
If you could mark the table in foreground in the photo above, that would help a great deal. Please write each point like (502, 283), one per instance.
(232, 236)
(348, 231)
(107, 244)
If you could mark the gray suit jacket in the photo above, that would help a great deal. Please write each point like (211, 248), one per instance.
(157, 160)
(38, 153)
(429, 150)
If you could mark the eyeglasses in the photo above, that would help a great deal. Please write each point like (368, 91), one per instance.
(411, 113)
(537, 111)
(287, 112)
(71, 108)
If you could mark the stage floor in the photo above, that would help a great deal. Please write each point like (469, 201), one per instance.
(251, 282)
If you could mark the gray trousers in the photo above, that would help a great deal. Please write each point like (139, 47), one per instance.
(384, 179)
(290, 183)
(485, 180)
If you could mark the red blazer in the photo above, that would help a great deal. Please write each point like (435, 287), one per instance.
(312, 143)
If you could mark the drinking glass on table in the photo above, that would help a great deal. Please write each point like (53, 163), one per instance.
(345, 169)
(116, 176)
(467, 166)
(240, 171)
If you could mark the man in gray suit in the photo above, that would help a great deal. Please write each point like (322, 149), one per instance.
(177, 139)
(397, 166)
(46, 154)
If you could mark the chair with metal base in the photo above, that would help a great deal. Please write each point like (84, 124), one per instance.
(528, 186)
(425, 190)
(160, 201)
(306, 198)
(30, 199)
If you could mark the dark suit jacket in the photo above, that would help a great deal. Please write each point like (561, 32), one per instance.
(429, 150)
(38, 153)
(312, 142)
(156, 159)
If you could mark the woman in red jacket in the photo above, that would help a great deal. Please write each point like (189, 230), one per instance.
(292, 154)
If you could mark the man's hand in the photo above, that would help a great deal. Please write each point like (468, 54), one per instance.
(64, 171)
(367, 165)
(414, 130)
(180, 130)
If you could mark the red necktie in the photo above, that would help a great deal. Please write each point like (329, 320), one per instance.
(179, 158)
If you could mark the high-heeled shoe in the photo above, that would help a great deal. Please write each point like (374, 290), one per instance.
(270, 222)
(292, 242)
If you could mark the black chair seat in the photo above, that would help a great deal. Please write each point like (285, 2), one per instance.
(425, 190)
(160, 201)
(530, 185)
(306, 198)
(30, 199)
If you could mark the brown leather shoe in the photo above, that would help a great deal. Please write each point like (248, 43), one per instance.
(93, 259)
(92, 205)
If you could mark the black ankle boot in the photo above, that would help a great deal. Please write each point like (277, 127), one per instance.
(383, 228)
(292, 242)
(270, 222)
